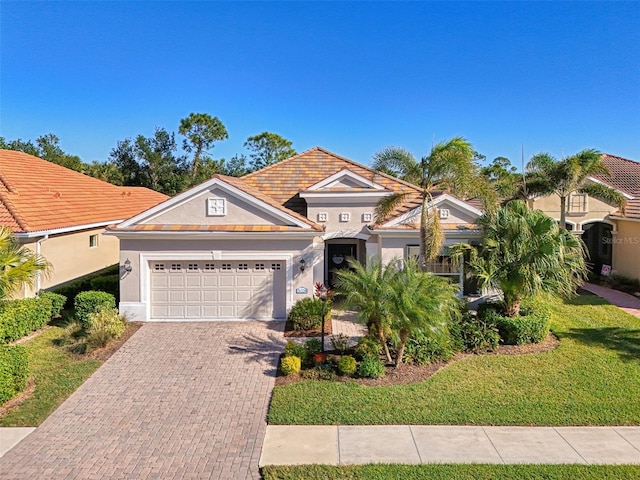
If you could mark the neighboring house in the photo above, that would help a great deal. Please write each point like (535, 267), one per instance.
(250, 247)
(613, 239)
(61, 214)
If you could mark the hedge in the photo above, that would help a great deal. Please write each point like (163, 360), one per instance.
(531, 326)
(57, 302)
(71, 289)
(90, 302)
(19, 318)
(14, 371)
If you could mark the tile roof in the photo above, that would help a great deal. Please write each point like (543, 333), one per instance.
(212, 228)
(624, 175)
(38, 195)
(284, 180)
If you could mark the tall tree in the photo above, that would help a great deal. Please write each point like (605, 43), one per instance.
(201, 131)
(546, 175)
(449, 167)
(18, 265)
(105, 171)
(524, 253)
(503, 177)
(20, 145)
(267, 149)
(49, 146)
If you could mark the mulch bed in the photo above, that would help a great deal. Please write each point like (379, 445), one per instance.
(406, 374)
(315, 332)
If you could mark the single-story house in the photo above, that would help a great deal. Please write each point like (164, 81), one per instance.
(250, 247)
(62, 214)
(612, 238)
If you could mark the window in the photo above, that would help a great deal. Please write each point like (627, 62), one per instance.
(209, 267)
(176, 267)
(243, 266)
(192, 267)
(226, 266)
(443, 212)
(344, 216)
(441, 265)
(158, 267)
(93, 241)
(577, 203)
(367, 217)
(216, 207)
(275, 266)
(259, 266)
(322, 216)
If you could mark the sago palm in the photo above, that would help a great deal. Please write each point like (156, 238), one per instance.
(546, 175)
(524, 252)
(19, 266)
(448, 167)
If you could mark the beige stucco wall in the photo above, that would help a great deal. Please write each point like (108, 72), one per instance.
(596, 210)
(72, 257)
(626, 249)
(194, 212)
(333, 211)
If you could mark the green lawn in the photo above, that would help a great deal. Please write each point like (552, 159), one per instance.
(57, 375)
(592, 378)
(452, 472)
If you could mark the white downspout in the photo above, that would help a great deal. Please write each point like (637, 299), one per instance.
(38, 274)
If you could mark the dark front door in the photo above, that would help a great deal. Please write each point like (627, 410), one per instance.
(337, 254)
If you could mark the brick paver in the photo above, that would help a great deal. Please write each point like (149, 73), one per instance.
(624, 301)
(177, 401)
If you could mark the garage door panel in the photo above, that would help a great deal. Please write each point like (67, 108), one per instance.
(194, 281)
(243, 281)
(210, 280)
(193, 296)
(227, 311)
(176, 280)
(209, 296)
(176, 296)
(193, 311)
(226, 280)
(243, 295)
(176, 311)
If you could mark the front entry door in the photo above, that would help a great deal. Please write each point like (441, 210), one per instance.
(337, 254)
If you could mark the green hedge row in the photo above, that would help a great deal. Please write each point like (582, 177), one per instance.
(107, 281)
(14, 371)
(90, 302)
(531, 326)
(21, 317)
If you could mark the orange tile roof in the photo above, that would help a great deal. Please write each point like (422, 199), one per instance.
(38, 195)
(284, 180)
(624, 175)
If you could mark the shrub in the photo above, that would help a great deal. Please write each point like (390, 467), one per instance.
(622, 283)
(319, 372)
(340, 342)
(290, 365)
(313, 346)
(531, 326)
(367, 346)
(306, 314)
(90, 302)
(347, 365)
(293, 349)
(106, 283)
(371, 367)
(14, 371)
(57, 302)
(477, 334)
(104, 325)
(422, 349)
(21, 317)
(83, 284)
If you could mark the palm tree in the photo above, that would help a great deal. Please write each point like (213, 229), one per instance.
(547, 175)
(524, 252)
(18, 264)
(448, 167)
(366, 289)
(419, 302)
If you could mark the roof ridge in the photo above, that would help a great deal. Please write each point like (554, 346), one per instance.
(621, 158)
(17, 217)
(7, 184)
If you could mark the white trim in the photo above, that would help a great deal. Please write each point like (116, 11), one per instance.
(600, 182)
(184, 197)
(358, 234)
(346, 195)
(145, 272)
(345, 173)
(595, 220)
(410, 233)
(55, 231)
(445, 197)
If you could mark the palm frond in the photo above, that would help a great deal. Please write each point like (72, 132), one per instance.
(606, 194)
(398, 162)
(386, 206)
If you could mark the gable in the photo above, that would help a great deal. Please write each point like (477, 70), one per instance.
(451, 211)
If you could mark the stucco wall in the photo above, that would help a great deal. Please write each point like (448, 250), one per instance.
(333, 211)
(626, 249)
(72, 257)
(596, 210)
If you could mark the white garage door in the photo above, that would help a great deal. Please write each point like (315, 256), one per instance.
(217, 290)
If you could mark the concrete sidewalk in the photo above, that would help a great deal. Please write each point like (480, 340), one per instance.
(11, 436)
(412, 444)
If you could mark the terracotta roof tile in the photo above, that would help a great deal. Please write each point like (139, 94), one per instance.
(39, 195)
(624, 175)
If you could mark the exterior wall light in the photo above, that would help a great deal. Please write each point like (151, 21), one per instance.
(127, 266)
(303, 264)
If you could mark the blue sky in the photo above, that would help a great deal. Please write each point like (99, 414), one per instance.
(351, 77)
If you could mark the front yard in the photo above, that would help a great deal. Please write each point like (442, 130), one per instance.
(592, 378)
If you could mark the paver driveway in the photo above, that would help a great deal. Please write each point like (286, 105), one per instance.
(178, 400)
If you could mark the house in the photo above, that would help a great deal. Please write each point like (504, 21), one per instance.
(612, 238)
(250, 247)
(62, 214)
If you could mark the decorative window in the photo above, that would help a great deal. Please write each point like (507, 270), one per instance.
(344, 216)
(441, 265)
(192, 267)
(158, 267)
(322, 216)
(243, 266)
(259, 266)
(367, 217)
(443, 212)
(176, 267)
(209, 267)
(216, 207)
(93, 241)
(275, 266)
(225, 266)
(577, 203)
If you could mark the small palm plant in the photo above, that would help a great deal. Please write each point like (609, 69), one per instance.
(19, 266)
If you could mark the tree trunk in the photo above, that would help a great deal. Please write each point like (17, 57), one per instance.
(424, 218)
(383, 341)
(563, 212)
(404, 334)
(512, 305)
